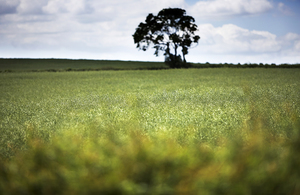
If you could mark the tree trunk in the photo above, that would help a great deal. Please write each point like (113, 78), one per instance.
(183, 57)
(168, 49)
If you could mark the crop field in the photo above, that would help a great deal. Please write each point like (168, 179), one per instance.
(175, 131)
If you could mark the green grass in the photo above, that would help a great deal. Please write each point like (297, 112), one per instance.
(189, 131)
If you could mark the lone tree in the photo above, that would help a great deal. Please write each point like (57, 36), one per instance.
(170, 29)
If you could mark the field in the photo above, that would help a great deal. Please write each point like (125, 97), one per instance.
(53, 65)
(63, 65)
(184, 131)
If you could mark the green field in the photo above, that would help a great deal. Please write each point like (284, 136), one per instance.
(184, 131)
(52, 65)
(63, 65)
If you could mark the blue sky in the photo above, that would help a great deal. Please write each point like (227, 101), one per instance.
(232, 31)
(279, 19)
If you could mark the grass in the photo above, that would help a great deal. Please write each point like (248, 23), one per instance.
(208, 131)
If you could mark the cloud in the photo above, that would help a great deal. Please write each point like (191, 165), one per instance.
(291, 36)
(231, 43)
(284, 9)
(230, 38)
(291, 44)
(297, 46)
(8, 6)
(67, 6)
(103, 30)
(221, 8)
(76, 24)
(31, 7)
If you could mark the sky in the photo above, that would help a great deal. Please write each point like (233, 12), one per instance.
(231, 31)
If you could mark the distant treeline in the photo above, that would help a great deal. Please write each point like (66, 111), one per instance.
(63, 65)
(249, 65)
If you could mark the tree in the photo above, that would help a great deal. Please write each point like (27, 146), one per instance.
(170, 29)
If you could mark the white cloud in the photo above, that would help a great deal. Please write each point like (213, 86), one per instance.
(284, 9)
(77, 24)
(66, 6)
(291, 36)
(221, 8)
(31, 7)
(291, 44)
(231, 43)
(297, 46)
(102, 29)
(233, 39)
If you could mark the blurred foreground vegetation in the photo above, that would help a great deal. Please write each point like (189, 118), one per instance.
(135, 163)
(193, 131)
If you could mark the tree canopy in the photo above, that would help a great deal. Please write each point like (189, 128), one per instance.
(169, 30)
